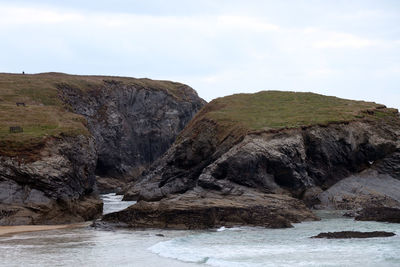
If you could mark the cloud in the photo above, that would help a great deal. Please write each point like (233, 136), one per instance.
(217, 53)
(344, 40)
(13, 15)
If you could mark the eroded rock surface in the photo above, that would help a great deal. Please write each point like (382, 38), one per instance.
(289, 161)
(202, 209)
(134, 122)
(52, 187)
(379, 214)
(47, 175)
(301, 162)
(367, 189)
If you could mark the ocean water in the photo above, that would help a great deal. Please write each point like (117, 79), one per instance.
(113, 203)
(242, 246)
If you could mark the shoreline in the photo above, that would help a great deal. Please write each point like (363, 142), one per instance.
(18, 229)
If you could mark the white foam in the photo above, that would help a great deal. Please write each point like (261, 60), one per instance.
(285, 247)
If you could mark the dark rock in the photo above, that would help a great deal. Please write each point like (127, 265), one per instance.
(107, 185)
(224, 157)
(55, 187)
(311, 196)
(379, 214)
(131, 123)
(366, 189)
(134, 122)
(353, 234)
(200, 209)
(291, 161)
(161, 235)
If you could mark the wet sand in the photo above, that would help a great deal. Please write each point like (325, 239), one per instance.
(17, 229)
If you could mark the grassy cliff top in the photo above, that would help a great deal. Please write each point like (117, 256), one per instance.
(45, 114)
(269, 110)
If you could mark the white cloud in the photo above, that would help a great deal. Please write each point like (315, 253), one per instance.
(246, 23)
(344, 40)
(217, 53)
(13, 15)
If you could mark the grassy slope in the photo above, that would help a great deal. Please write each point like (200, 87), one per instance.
(268, 110)
(45, 115)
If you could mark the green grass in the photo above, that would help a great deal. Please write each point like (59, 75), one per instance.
(45, 114)
(271, 110)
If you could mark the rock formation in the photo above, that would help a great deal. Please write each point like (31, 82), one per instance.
(133, 121)
(203, 209)
(52, 185)
(282, 143)
(75, 127)
(353, 234)
(379, 214)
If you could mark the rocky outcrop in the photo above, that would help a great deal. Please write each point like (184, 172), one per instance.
(51, 186)
(367, 189)
(202, 209)
(217, 154)
(379, 214)
(353, 234)
(106, 185)
(75, 127)
(133, 121)
(290, 161)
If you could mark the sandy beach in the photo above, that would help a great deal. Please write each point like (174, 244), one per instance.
(10, 230)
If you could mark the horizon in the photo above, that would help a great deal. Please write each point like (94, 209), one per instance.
(347, 49)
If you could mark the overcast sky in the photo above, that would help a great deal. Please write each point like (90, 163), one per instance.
(348, 48)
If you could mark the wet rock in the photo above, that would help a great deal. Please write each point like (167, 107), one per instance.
(353, 234)
(199, 209)
(379, 214)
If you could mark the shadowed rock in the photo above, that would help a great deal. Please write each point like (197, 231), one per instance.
(47, 172)
(379, 214)
(353, 234)
(202, 210)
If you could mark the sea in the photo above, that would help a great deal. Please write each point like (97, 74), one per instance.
(239, 246)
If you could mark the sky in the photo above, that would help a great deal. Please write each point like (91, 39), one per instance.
(349, 49)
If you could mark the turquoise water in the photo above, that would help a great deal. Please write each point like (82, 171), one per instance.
(244, 246)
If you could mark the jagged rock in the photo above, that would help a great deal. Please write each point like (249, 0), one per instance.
(202, 209)
(367, 189)
(230, 147)
(47, 173)
(133, 121)
(107, 185)
(379, 214)
(292, 160)
(353, 234)
(53, 187)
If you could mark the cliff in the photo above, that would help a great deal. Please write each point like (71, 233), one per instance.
(69, 128)
(281, 143)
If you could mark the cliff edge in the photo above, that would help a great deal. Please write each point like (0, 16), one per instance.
(58, 131)
(296, 145)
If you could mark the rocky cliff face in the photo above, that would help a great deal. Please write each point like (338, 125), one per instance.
(300, 162)
(75, 127)
(52, 185)
(133, 123)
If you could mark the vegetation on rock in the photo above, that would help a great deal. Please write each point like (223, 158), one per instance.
(273, 110)
(44, 114)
